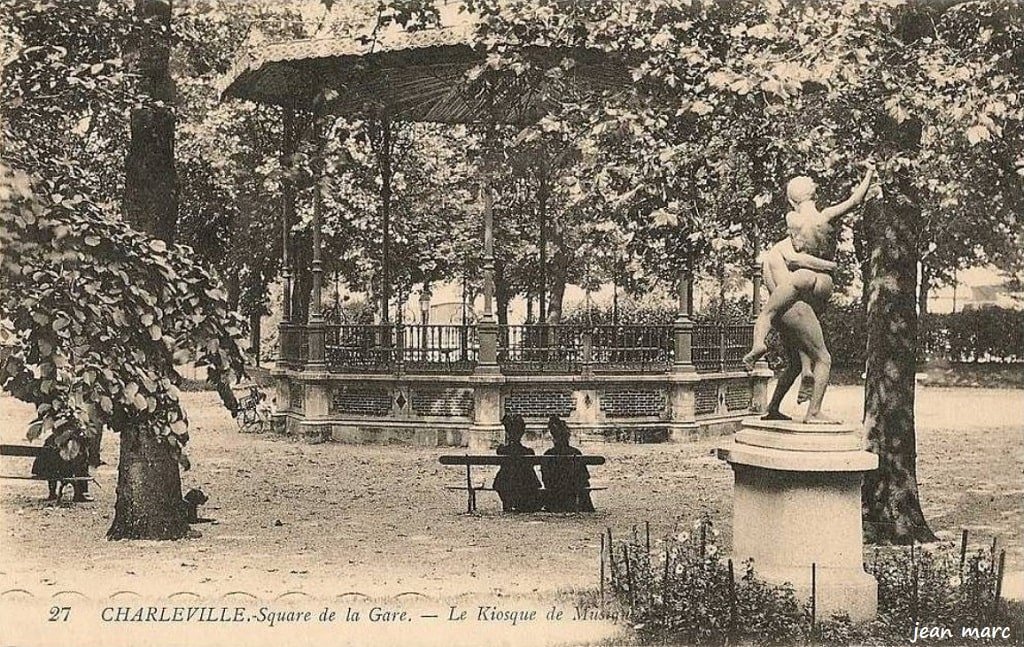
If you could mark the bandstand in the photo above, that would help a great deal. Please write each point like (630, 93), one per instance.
(450, 385)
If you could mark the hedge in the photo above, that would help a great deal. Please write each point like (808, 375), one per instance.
(985, 335)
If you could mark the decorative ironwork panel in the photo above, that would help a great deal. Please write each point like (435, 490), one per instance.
(539, 403)
(706, 347)
(439, 348)
(643, 349)
(360, 348)
(442, 402)
(738, 395)
(632, 403)
(540, 348)
(717, 347)
(705, 398)
(737, 339)
(361, 401)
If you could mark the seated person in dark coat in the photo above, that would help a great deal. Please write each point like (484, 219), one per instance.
(516, 483)
(565, 483)
(53, 467)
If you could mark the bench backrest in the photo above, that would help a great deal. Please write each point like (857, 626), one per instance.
(21, 450)
(468, 459)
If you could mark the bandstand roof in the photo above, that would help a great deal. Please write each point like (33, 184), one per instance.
(415, 76)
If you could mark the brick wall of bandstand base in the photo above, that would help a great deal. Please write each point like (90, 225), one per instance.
(466, 410)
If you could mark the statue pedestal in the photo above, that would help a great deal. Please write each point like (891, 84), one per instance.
(796, 502)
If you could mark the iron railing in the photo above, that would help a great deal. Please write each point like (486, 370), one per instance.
(643, 349)
(541, 348)
(438, 348)
(383, 348)
(522, 349)
(717, 347)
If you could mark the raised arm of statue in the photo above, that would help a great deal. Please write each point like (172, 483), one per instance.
(797, 260)
(857, 197)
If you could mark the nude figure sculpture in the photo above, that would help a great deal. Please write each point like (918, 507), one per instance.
(798, 277)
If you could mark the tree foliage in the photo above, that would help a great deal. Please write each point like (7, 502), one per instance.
(101, 316)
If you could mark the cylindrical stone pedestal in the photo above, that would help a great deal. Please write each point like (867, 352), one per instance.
(797, 502)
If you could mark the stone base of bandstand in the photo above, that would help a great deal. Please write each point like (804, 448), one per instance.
(797, 503)
(465, 410)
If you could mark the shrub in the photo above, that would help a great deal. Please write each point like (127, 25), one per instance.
(682, 592)
(989, 334)
(633, 313)
(928, 586)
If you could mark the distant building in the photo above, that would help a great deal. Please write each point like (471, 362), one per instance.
(978, 287)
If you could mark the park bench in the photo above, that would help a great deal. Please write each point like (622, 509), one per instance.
(32, 451)
(469, 461)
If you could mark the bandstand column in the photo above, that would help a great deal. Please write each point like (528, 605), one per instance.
(682, 327)
(487, 361)
(288, 342)
(287, 208)
(315, 324)
(486, 431)
(683, 374)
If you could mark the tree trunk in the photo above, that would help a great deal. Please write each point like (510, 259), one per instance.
(542, 246)
(255, 319)
(501, 293)
(862, 245)
(151, 192)
(385, 151)
(922, 290)
(556, 289)
(148, 502)
(233, 284)
(302, 276)
(892, 507)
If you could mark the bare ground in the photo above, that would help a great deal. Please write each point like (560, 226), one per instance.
(333, 520)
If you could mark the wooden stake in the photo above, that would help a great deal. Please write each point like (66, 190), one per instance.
(611, 558)
(647, 534)
(963, 551)
(601, 576)
(665, 588)
(999, 581)
(913, 573)
(732, 601)
(814, 594)
(629, 573)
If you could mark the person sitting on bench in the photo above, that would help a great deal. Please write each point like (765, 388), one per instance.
(53, 467)
(517, 484)
(566, 484)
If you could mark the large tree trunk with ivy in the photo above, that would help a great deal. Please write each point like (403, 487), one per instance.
(148, 502)
(892, 506)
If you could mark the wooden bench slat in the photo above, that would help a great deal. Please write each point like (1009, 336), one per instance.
(21, 450)
(43, 478)
(490, 489)
(467, 459)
